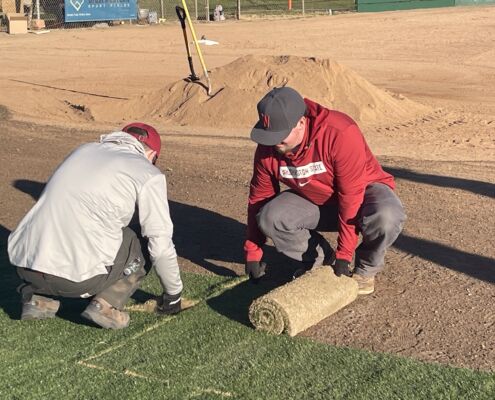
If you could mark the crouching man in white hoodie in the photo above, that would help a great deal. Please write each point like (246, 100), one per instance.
(75, 241)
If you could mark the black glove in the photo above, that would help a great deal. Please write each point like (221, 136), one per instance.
(169, 304)
(255, 270)
(342, 267)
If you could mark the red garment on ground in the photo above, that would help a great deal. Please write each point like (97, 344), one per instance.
(332, 165)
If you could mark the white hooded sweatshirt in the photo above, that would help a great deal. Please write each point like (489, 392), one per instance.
(75, 228)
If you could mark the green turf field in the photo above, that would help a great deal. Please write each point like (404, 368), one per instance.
(206, 352)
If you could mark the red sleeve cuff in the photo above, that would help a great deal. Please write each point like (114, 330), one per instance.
(252, 251)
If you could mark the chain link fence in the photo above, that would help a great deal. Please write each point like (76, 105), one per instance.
(67, 14)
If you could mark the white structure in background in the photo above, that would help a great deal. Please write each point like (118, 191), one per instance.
(218, 13)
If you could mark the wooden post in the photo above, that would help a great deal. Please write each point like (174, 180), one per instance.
(303, 8)
(238, 9)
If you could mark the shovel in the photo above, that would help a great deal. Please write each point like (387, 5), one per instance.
(182, 18)
(183, 14)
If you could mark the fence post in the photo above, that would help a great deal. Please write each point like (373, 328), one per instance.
(196, 9)
(303, 8)
(207, 6)
(238, 9)
(162, 11)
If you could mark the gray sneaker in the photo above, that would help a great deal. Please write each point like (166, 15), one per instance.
(105, 315)
(366, 285)
(39, 307)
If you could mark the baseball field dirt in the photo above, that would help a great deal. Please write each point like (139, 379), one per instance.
(421, 83)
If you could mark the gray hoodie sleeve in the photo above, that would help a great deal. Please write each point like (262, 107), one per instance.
(156, 225)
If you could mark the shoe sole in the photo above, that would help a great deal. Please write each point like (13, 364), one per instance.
(30, 312)
(362, 292)
(102, 321)
(37, 316)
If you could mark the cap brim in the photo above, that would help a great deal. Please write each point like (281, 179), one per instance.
(267, 138)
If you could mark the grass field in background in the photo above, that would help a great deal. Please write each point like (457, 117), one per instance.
(248, 7)
(206, 352)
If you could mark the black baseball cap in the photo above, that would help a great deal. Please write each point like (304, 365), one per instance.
(279, 111)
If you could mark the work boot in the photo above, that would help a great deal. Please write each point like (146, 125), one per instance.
(105, 315)
(39, 307)
(366, 285)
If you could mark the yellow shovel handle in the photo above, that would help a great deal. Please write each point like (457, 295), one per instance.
(200, 55)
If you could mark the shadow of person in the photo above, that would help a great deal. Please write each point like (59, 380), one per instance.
(478, 187)
(202, 236)
(477, 266)
(9, 280)
(33, 188)
(234, 303)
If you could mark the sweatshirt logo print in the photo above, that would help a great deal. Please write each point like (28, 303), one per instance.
(304, 171)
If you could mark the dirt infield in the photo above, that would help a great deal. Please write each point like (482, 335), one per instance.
(436, 299)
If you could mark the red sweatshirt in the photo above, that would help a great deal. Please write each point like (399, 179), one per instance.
(333, 165)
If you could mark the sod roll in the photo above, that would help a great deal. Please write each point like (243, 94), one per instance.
(302, 303)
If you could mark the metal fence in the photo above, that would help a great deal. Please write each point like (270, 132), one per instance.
(85, 13)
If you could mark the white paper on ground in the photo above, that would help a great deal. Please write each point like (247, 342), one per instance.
(207, 42)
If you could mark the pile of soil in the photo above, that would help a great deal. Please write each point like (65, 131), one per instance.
(238, 86)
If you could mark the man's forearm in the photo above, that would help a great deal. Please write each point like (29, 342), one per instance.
(167, 269)
(164, 259)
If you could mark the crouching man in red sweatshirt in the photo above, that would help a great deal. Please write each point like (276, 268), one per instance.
(335, 184)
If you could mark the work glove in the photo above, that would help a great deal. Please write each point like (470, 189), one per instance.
(169, 304)
(255, 270)
(342, 267)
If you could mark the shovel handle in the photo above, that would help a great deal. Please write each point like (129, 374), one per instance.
(181, 14)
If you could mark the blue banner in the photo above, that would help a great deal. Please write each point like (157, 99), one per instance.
(99, 10)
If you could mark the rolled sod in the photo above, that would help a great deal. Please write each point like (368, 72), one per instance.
(302, 303)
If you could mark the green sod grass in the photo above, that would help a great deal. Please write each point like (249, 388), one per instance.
(206, 352)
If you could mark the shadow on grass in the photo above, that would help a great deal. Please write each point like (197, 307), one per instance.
(234, 303)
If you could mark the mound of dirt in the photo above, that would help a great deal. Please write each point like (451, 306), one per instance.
(4, 113)
(238, 86)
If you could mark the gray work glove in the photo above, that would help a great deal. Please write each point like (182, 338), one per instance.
(169, 304)
(342, 267)
(255, 270)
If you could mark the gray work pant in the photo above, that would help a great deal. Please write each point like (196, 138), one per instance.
(292, 223)
(115, 287)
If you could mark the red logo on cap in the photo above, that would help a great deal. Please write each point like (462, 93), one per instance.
(266, 120)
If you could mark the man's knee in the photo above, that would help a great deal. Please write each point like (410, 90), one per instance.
(387, 220)
(272, 219)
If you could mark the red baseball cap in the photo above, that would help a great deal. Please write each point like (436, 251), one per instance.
(145, 134)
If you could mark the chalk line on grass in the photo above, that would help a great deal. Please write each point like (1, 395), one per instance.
(133, 374)
(125, 372)
(199, 392)
(118, 346)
